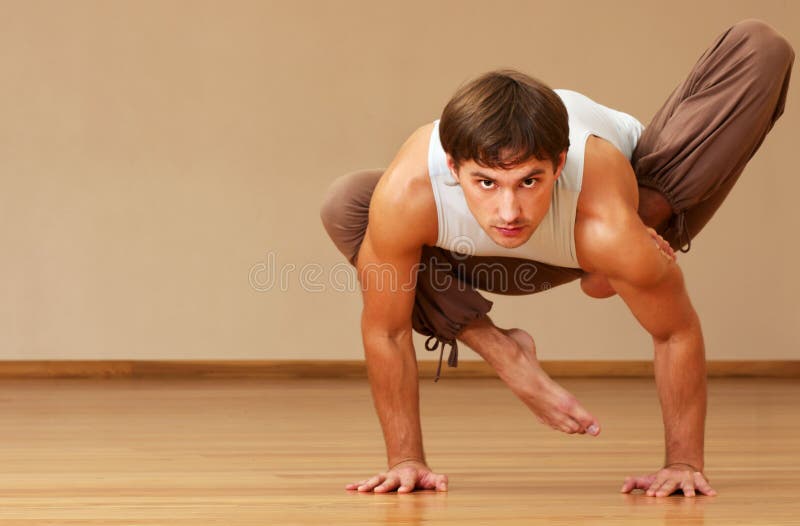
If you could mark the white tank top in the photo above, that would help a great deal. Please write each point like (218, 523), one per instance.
(553, 241)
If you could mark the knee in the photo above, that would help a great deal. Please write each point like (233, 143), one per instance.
(343, 195)
(596, 286)
(330, 210)
(770, 50)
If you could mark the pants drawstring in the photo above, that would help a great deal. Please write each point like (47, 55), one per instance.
(683, 232)
(452, 359)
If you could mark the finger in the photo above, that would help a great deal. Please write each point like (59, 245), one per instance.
(354, 485)
(632, 483)
(664, 252)
(391, 482)
(408, 481)
(628, 485)
(688, 488)
(669, 249)
(441, 483)
(651, 491)
(661, 242)
(702, 485)
(371, 483)
(667, 488)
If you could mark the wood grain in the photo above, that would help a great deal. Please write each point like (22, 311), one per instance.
(254, 451)
(356, 369)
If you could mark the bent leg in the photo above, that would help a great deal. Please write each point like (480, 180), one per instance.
(511, 276)
(345, 210)
(451, 309)
(512, 353)
(443, 305)
(447, 299)
(699, 142)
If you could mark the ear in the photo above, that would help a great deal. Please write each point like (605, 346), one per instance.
(562, 159)
(453, 169)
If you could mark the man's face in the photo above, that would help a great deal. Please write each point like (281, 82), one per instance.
(508, 204)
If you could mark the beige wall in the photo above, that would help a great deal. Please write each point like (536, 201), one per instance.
(154, 155)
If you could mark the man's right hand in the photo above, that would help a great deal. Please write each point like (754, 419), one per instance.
(662, 244)
(405, 477)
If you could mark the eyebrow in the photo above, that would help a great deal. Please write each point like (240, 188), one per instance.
(535, 171)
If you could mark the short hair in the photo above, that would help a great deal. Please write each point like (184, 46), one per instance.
(504, 118)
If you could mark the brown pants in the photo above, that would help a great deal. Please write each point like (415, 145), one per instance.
(692, 152)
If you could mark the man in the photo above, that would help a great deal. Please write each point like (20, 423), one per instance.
(548, 186)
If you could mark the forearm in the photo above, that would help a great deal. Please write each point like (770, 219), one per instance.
(680, 370)
(394, 381)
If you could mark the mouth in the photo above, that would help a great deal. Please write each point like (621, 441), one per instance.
(509, 232)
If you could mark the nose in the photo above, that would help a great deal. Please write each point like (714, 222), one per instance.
(509, 207)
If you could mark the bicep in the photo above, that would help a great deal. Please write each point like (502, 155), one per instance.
(651, 284)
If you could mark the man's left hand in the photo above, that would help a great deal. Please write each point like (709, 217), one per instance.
(669, 479)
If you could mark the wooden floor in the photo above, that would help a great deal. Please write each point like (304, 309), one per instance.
(279, 452)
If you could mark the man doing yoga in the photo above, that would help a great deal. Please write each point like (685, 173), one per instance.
(518, 188)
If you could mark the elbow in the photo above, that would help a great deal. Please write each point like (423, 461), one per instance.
(596, 286)
(383, 335)
(687, 335)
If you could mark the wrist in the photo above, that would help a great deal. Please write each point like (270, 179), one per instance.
(687, 457)
(695, 466)
(395, 462)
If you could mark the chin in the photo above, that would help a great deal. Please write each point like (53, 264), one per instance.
(506, 243)
(509, 242)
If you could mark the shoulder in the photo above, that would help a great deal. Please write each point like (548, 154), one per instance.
(609, 182)
(403, 210)
(624, 250)
(610, 237)
(607, 204)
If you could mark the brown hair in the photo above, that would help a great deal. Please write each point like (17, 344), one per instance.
(504, 110)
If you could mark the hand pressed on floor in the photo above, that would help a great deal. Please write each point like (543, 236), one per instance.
(668, 480)
(404, 477)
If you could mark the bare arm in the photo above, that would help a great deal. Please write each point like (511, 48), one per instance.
(653, 288)
(387, 265)
(661, 304)
(387, 277)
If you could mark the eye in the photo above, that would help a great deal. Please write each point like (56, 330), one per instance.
(485, 181)
(530, 182)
